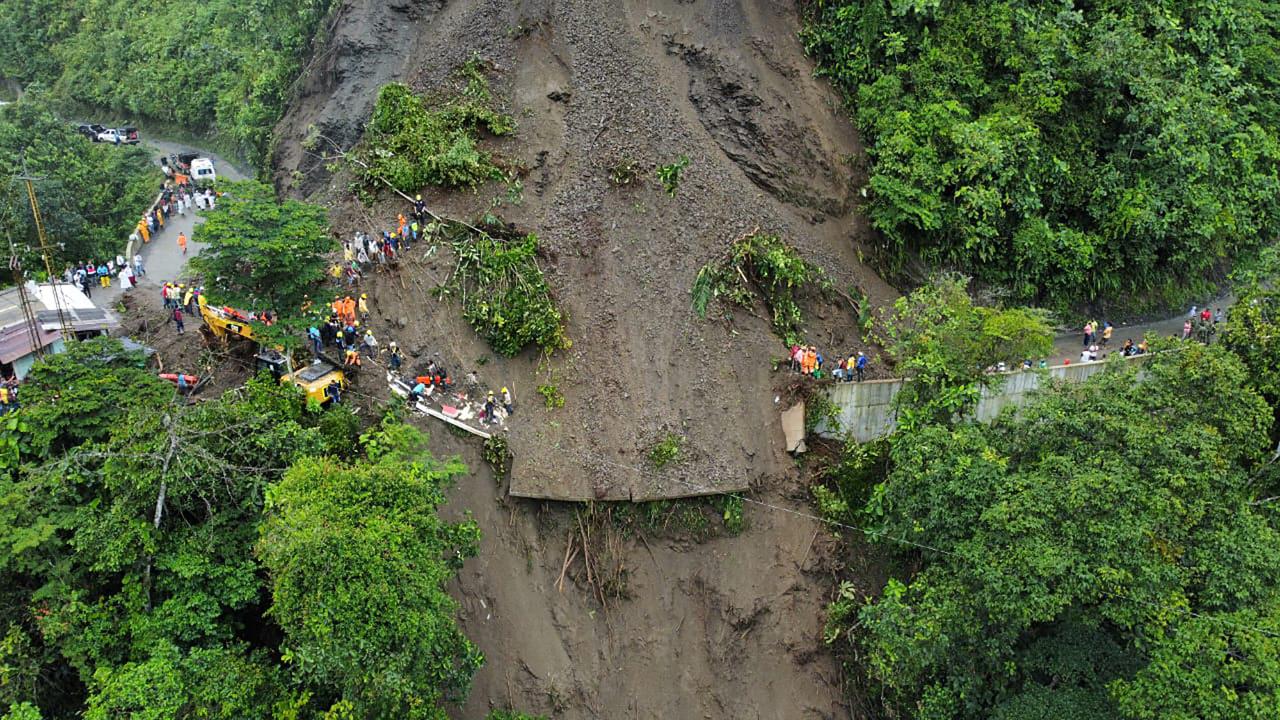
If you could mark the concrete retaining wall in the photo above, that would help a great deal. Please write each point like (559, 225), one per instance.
(867, 409)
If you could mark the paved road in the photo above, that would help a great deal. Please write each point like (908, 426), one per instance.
(161, 257)
(1068, 347)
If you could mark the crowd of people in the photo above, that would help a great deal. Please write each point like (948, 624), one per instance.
(176, 197)
(806, 360)
(88, 274)
(381, 249)
(1203, 326)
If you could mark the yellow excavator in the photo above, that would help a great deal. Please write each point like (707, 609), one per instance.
(221, 322)
(314, 379)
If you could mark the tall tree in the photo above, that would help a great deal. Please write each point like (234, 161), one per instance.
(91, 194)
(1067, 152)
(359, 559)
(1100, 553)
(262, 253)
(944, 344)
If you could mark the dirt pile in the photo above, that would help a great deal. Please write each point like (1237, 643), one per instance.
(592, 85)
(729, 628)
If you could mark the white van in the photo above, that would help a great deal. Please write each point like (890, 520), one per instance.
(202, 171)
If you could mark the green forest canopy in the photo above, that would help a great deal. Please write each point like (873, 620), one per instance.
(225, 66)
(1066, 151)
(1110, 551)
(91, 194)
(159, 558)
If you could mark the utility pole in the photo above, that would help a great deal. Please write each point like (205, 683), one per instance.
(19, 279)
(64, 317)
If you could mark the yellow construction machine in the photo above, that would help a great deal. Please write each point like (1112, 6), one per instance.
(314, 378)
(222, 322)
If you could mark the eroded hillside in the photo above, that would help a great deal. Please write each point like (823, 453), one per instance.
(593, 84)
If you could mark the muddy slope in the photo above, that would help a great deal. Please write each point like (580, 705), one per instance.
(727, 628)
(590, 83)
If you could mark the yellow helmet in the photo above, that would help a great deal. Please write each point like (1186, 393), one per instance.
(364, 296)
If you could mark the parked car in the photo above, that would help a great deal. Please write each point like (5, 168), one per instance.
(126, 135)
(91, 131)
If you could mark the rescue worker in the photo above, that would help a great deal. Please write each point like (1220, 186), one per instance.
(348, 310)
(369, 343)
(363, 305)
(182, 242)
(177, 319)
(416, 393)
(396, 358)
(352, 358)
(506, 402)
(489, 405)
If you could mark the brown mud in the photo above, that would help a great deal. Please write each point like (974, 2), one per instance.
(729, 627)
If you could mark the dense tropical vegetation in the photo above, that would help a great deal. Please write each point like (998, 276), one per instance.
(91, 194)
(1064, 151)
(241, 557)
(413, 141)
(219, 66)
(1112, 550)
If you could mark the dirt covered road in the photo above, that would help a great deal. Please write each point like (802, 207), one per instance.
(725, 628)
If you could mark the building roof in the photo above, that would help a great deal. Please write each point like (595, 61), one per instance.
(15, 335)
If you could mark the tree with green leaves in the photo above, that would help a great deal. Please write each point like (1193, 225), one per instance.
(413, 141)
(91, 194)
(359, 560)
(219, 66)
(1252, 332)
(262, 253)
(943, 344)
(132, 525)
(1066, 152)
(1100, 553)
